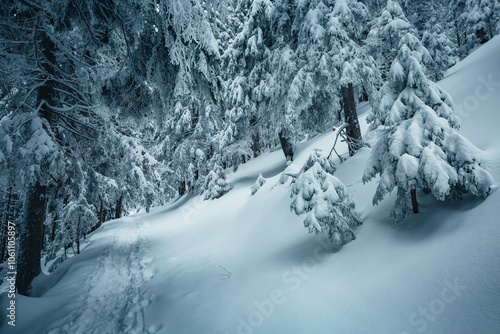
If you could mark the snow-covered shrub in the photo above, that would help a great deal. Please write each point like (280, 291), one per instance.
(258, 184)
(326, 201)
(419, 146)
(215, 185)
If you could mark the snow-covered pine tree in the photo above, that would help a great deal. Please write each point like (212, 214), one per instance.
(325, 199)
(247, 89)
(306, 93)
(456, 10)
(442, 51)
(215, 185)
(193, 115)
(480, 21)
(357, 69)
(375, 6)
(385, 33)
(322, 62)
(57, 55)
(419, 146)
(424, 14)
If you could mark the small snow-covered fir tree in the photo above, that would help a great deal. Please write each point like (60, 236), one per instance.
(215, 185)
(419, 146)
(258, 184)
(325, 200)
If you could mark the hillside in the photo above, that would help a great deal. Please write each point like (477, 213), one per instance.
(246, 264)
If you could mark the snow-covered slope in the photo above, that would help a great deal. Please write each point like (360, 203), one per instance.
(246, 264)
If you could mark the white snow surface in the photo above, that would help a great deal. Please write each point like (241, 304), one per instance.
(246, 264)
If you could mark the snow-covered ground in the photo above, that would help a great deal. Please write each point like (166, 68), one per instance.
(245, 264)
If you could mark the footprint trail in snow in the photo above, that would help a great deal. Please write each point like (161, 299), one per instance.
(113, 301)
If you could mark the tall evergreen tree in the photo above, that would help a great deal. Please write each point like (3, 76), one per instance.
(419, 146)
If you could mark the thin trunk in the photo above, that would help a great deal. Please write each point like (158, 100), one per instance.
(351, 118)
(31, 237)
(456, 30)
(286, 146)
(118, 213)
(414, 202)
(101, 215)
(78, 229)
(182, 188)
(54, 228)
(255, 144)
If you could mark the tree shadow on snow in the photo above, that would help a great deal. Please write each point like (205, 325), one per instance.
(312, 248)
(435, 217)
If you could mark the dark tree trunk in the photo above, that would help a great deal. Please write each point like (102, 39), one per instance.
(351, 118)
(78, 236)
(54, 228)
(286, 146)
(118, 213)
(31, 238)
(457, 32)
(101, 215)
(414, 202)
(182, 188)
(255, 145)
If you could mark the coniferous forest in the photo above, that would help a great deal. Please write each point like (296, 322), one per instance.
(112, 107)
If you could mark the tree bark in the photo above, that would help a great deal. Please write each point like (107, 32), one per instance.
(78, 236)
(118, 213)
(414, 202)
(101, 215)
(351, 118)
(31, 238)
(457, 31)
(286, 146)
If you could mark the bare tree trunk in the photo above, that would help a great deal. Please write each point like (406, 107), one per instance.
(31, 237)
(255, 144)
(457, 32)
(414, 202)
(286, 146)
(54, 228)
(118, 213)
(351, 118)
(100, 215)
(78, 236)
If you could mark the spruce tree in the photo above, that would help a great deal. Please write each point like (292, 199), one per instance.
(326, 201)
(418, 146)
